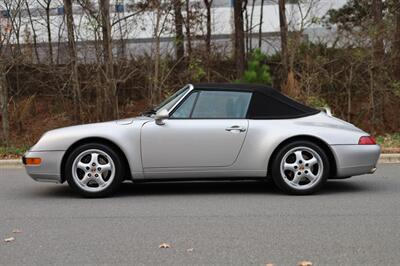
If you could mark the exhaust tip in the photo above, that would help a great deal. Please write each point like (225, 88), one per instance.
(372, 170)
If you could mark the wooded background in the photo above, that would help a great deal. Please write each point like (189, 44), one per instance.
(356, 72)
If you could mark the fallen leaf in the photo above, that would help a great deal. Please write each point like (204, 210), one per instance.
(269, 264)
(164, 245)
(305, 263)
(190, 249)
(16, 231)
(10, 239)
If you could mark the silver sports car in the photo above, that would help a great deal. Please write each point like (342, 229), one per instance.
(207, 131)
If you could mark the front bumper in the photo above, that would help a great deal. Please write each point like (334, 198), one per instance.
(355, 159)
(49, 169)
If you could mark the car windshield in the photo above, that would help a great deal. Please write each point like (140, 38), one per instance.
(170, 101)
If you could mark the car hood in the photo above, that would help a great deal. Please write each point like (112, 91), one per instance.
(62, 138)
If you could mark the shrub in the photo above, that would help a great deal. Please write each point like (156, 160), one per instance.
(257, 70)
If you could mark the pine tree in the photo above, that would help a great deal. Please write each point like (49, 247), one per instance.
(257, 70)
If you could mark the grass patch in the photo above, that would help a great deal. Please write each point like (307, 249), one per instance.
(389, 140)
(12, 152)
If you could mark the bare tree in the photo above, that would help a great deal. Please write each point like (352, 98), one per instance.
(179, 38)
(377, 59)
(110, 93)
(4, 102)
(60, 39)
(284, 40)
(377, 14)
(239, 37)
(397, 42)
(14, 18)
(188, 24)
(156, 90)
(261, 23)
(161, 14)
(7, 61)
(14, 8)
(208, 4)
(73, 62)
(251, 24)
(46, 4)
(34, 35)
(247, 28)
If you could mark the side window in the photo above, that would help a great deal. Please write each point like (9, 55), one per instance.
(222, 104)
(186, 107)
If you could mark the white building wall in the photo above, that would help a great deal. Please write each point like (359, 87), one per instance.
(138, 31)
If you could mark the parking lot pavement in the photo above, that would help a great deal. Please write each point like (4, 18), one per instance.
(350, 222)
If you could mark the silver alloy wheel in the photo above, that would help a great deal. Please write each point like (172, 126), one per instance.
(93, 170)
(301, 168)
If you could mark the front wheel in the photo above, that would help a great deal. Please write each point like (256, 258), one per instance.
(300, 168)
(94, 170)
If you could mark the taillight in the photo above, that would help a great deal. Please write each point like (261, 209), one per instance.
(366, 140)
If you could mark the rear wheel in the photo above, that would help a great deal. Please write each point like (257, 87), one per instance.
(94, 170)
(300, 168)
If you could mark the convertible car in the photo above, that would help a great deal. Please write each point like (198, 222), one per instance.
(207, 131)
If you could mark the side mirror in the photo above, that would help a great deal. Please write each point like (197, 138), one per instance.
(327, 110)
(160, 116)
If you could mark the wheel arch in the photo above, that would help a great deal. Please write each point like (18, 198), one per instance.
(322, 144)
(98, 140)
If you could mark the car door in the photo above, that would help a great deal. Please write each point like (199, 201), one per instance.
(206, 130)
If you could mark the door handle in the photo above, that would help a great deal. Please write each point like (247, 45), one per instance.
(236, 128)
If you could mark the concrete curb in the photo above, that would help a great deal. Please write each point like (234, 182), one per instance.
(11, 163)
(389, 158)
(385, 158)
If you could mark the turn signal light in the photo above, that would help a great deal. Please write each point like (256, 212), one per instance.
(367, 140)
(33, 161)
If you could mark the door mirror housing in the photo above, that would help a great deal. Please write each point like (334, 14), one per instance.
(160, 116)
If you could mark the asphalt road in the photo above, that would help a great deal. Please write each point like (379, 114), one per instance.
(351, 222)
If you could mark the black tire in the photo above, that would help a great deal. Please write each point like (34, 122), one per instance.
(114, 184)
(278, 179)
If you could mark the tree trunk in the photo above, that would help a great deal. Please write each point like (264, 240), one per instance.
(397, 48)
(372, 92)
(49, 39)
(179, 39)
(349, 95)
(247, 29)
(122, 43)
(239, 37)
(4, 106)
(73, 61)
(156, 90)
(377, 13)
(377, 62)
(397, 44)
(284, 41)
(251, 24)
(34, 35)
(99, 97)
(188, 32)
(261, 23)
(110, 95)
(208, 4)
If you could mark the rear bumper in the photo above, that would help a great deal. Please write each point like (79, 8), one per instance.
(49, 169)
(355, 159)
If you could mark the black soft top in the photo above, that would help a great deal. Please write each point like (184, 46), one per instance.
(235, 87)
(266, 103)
